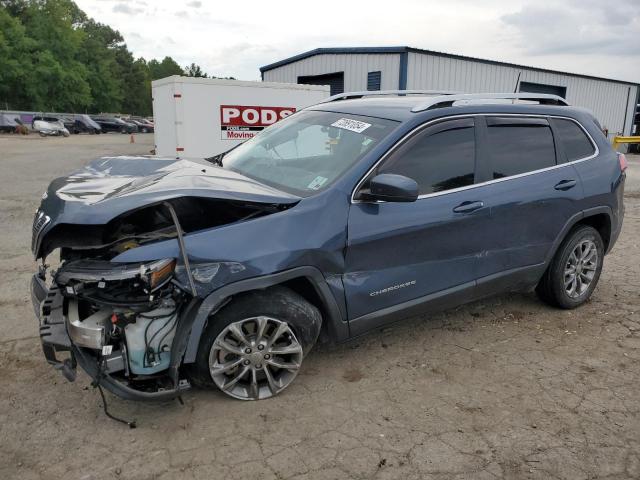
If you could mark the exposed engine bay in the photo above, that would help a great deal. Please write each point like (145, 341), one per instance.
(127, 321)
(147, 224)
(123, 316)
(131, 312)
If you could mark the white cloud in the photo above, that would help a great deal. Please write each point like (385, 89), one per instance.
(126, 8)
(584, 36)
(584, 27)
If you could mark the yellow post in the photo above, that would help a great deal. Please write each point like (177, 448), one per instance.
(620, 139)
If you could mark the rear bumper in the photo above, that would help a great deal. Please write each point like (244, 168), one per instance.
(48, 305)
(618, 219)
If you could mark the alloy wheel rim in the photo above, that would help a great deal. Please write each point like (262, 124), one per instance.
(580, 268)
(255, 358)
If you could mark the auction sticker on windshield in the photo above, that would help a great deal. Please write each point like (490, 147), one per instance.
(352, 125)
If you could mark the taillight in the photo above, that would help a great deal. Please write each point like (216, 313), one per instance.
(623, 162)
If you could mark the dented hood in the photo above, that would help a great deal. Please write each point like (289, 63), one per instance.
(111, 186)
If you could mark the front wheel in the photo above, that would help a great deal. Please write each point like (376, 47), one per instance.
(575, 270)
(253, 348)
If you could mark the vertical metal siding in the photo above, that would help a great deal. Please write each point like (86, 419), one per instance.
(607, 100)
(354, 66)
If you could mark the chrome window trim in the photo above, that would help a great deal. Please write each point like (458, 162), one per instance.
(488, 182)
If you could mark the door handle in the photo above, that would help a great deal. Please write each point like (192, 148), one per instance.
(466, 207)
(565, 185)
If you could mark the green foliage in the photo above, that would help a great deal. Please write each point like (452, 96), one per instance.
(55, 58)
(165, 68)
(194, 70)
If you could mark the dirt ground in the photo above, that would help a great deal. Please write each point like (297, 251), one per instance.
(506, 388)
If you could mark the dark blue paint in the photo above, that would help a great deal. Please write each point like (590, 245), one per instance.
(380, 261)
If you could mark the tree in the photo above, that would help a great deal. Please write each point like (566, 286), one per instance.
(16, 60)
(60, 81)
(194, 70)
(136, 84)
(53, 57)
(167, 67)
(98, 53)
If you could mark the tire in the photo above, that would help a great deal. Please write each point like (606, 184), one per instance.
(575, 254)
(144, 130)
(257, 366)
(123, 130)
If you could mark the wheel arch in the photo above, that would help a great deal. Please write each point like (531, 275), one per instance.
(602, 223)
(597, 217)
(306, 281)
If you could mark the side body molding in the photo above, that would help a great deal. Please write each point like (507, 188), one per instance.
(338, 328)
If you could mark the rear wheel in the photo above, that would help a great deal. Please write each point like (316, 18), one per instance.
(574, 271)
(253, 348)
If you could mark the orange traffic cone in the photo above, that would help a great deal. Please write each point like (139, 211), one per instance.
(132, 139)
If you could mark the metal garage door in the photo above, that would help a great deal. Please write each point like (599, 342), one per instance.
(334, 80)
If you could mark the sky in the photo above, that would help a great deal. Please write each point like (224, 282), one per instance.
(236, 38)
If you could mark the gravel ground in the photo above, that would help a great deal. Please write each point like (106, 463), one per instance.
(505, 388)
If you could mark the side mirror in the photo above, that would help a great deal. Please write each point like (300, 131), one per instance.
(388, 187)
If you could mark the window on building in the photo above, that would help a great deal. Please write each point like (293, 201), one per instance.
(574, 141)
(519, 145)
(440, 158)
(374, 80)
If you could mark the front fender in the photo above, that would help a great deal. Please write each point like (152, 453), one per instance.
(336, 324)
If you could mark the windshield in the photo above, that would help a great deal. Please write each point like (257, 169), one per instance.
(308, 151)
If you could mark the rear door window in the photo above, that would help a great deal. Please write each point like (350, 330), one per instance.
(440, 158)
(519, 145)
(574, 140)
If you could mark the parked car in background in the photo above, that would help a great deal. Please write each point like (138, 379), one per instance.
(67, 121)
(84, 124)
(8, 123)
(114, 124)
(339, 219)
(49, 126)
(143, 125)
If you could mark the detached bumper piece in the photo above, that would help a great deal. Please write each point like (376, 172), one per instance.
(49, 305)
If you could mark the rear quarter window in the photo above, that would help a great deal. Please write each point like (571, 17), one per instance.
(519, 145)
(574, 140)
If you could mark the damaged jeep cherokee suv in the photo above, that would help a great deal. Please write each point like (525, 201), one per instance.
(337, 220)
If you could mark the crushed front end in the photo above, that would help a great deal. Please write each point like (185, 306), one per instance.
(117, 321)
(127, 323)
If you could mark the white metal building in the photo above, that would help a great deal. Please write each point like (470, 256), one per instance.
(404, 68)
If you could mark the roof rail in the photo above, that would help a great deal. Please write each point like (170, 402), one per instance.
(373, 93)
(449, 100)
